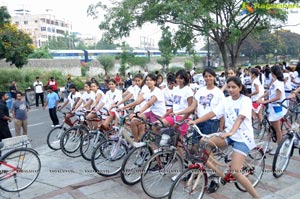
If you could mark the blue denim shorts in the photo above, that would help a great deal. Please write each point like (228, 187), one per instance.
(239, 147)
(207, 127)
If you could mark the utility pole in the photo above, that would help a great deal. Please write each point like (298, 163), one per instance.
(208, 52)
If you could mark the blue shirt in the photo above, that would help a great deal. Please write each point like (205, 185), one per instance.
(51, 99)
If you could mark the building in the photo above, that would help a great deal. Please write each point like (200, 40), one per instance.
(41, 27)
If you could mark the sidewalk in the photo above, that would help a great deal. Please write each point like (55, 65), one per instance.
(62, 177)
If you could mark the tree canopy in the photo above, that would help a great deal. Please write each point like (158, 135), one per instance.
(227, 22)
(15, 45)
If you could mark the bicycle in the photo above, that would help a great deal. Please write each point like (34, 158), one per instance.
(20, 166)
(53, 137)
(286, 147)
(192, 183)
(90, 141)
(108, 156)
(134, 162)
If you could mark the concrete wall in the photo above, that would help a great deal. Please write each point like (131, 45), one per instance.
(73, 67)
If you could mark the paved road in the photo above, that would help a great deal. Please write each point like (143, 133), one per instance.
(39, 124)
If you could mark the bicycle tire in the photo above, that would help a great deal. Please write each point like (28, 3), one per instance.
(171, 165)
(277, 168)
(133, 164)
(70, 141)
(253, 168)
(87, 144)
(183, 187)
(53, 138)
(107, 158)
(30, 169)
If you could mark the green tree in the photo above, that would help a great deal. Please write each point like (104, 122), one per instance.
(138, 61)
(166, 48)
(105, 45)
(227, 22)
(107, 61)
(15, 45)
(41, 53)
(188, 65)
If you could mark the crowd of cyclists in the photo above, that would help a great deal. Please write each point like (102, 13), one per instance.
(221, 104)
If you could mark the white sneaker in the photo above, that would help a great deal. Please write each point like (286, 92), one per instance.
(52, 125)
(57, 125)
(273, 151)
(175, 177)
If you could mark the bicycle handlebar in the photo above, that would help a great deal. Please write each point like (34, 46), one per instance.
(195, 127)
(150, 124)
(293, 109)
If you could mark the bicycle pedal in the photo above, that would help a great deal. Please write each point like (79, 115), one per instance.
(223, 181)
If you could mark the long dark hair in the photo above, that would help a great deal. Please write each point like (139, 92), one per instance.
(267, 72)
(153, 77)
(277, 72)
(183, 75)
(238, 82)
(255, 71)
(140, 76)
(298, 69)
(212, 72)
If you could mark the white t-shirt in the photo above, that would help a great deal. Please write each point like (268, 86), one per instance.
(180, 96)
(208, 100)
(288, 83)
(268, 81)
(72, 98)
(87, 96)
(231, 109)
(246, 80)
(102, 99)
(38, 86)
(168, 96)
(201, 82)
(194, 87)
(163, 85)
(296, 79)
(133, 90)
(113, 97)
(277, 85)
(158, 107)
(256, 81)
(142, 91)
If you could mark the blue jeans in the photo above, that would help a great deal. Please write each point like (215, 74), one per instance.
(207, 127)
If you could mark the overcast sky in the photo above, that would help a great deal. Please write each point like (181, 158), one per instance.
(75, 11)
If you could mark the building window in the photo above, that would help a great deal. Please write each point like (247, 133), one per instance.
(43, 28)
(25, 22)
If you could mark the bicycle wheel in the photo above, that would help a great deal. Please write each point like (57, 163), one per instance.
(190, 185)
(107, 158)
(282, 156)
(53, 138)
(253, 168)
(134, 163)
(70, 141)
(89, 143)
(159, 173)
(19, 169)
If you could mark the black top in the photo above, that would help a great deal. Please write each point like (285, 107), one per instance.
(3, 112)
(13, 94)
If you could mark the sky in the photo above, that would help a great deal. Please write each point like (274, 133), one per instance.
(76, 11)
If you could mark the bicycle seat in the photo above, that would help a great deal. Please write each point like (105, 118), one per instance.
(1, 145)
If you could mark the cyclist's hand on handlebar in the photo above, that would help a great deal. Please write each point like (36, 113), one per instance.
(191, 122)
(292, 96)
(225, 135)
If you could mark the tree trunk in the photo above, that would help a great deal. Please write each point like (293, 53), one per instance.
(223, 51)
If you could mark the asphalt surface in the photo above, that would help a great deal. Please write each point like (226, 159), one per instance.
(39, 124)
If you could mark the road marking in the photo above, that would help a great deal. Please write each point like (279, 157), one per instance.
(31, 125)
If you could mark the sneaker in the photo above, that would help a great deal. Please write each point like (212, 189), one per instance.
(175, 177)
(269, 149)
(213, 187)
(57, 125)
(273, 151)
(52, 125)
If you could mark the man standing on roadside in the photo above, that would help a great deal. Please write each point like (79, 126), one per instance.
(52, 102)
(39, 91)
(19, 112)
(4, 117)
